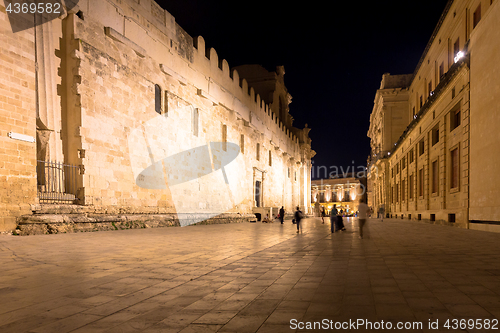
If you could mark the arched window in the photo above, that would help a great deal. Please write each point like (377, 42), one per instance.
(158, 99)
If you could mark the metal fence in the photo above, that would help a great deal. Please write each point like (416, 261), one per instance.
(57, 182)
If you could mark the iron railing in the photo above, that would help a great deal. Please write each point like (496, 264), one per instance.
(57, 182)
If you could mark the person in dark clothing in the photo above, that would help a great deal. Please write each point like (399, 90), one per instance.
(333, 218)
(282, 214)
(298, 217)
(340, 221)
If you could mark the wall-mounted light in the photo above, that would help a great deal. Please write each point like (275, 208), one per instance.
(459, 56)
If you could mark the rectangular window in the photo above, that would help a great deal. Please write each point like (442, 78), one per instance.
(410, 186)
(195, 117)
(456, 47)
(242, 144)
(455, 118)
(397, 193)
(477, 16)
(455, 168)
(441, 71)
(157, 99)
(430, 88)
(421, 147)
(414, 114)
(288, 172)
(224, 137)
(270, 158)
(403, 163)
(257, 152)
(421, 101)
(435, 134)
(421, 182)
(411, 157)
(435, 177)
(403, 188)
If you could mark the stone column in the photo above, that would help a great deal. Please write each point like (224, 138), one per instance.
(48, 108)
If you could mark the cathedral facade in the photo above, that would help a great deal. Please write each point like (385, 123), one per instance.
(113, 108)
(435, 148)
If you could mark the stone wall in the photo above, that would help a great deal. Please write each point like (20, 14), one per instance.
(441, 168)
(17, 122)
(155, 122)
(485, 118)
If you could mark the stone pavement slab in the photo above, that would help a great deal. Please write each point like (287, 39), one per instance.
(252, 277)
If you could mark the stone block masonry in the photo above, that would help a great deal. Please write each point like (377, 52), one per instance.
(119, 89)
(17, 115)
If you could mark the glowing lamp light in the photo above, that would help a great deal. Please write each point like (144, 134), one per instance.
(459, 56)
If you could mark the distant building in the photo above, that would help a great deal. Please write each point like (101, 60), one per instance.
(435, 148)
(345, 193)
(114, 108)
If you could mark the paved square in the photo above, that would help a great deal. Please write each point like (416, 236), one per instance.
(250, 277)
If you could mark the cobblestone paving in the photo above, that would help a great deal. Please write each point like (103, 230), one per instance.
(249, 277)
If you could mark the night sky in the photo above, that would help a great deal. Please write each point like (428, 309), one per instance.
(334, 56)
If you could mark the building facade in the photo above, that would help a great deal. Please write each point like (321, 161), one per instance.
(114, 107)
(434, 142)
(344, 193)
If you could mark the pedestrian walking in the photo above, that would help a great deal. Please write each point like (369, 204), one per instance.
(362, 215)
(333, 218)
(340, 221)
(298, 217)
(282, 214)
(382, 213)
(323, 214)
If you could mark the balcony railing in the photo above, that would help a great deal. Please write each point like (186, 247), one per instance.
(57, 182)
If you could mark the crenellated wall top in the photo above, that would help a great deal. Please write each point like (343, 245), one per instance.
(152, 29)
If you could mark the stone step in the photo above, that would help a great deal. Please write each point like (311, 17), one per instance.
(64, 222)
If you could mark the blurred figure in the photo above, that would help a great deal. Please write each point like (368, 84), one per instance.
(363, 212)
(333, 218)
(298, 217)
(282, 214)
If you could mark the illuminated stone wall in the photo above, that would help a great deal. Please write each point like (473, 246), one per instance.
(17, 122)
(485, 118)
(440, 156)
(125, 88)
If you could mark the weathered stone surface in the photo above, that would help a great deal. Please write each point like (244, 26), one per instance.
(114, 97)
(40, 224)
(434, 142)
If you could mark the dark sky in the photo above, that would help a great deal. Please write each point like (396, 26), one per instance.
(334, 55)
